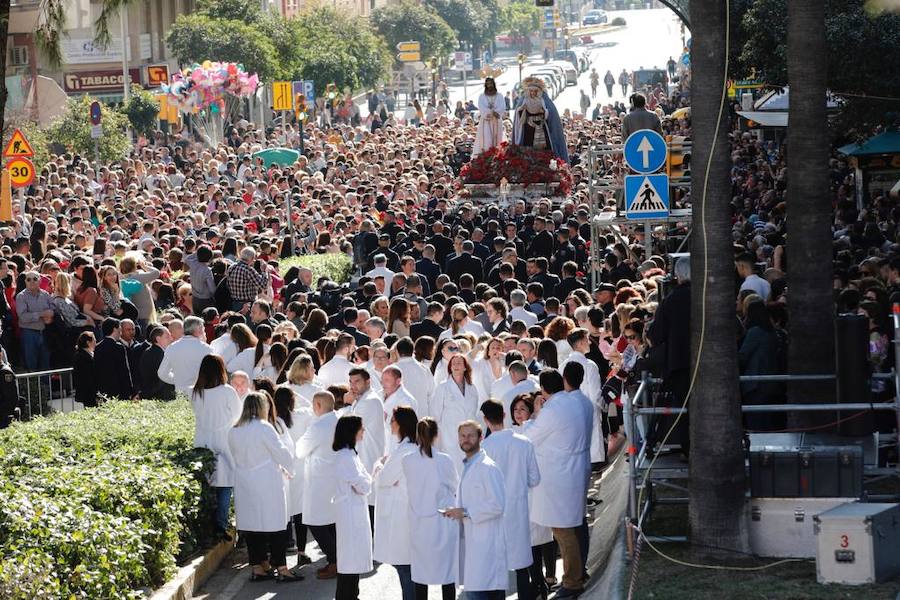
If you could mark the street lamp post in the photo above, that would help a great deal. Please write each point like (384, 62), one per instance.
(434, 72)
(567, 41)
(521, 64)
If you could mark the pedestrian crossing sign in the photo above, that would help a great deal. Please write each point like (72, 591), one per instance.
(646, 197)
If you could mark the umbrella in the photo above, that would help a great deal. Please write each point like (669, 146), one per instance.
(277, 156)
(681, 113)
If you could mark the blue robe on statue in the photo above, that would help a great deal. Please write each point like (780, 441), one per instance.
(556, 136)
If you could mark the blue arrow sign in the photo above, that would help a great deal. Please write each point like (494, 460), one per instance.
(646, 197)
(645, 151)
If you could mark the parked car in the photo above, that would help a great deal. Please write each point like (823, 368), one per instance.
(570, 71)
(570, 56)
(595, 17)
(556, 75)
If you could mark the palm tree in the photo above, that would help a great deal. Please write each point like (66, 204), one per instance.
(717, 483)
(810, 301)
(49, 32)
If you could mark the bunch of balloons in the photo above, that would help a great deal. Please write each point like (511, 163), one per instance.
(208, 85)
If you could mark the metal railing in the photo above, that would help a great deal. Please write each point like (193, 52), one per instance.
(45, 392)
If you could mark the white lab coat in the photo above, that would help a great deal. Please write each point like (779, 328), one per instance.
(260, 489)
(318, 473)
(370, 409)
(245, 361)
(560, 435)
(526, 386)
(470, 326)
(482, 551)
(591, 387)
(392, 518)
(305, 392)
(215, 414)
(225, 347)
(433, 537)
(450, 407)
(418, 381)
(181, 363)
(302, 417)
(354, 530)
(514, 455)
(440, 372)
(335, 372)
(483, 377)
(520, 313)
(501, 386)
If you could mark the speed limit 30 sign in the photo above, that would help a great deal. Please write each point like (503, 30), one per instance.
(21, 172)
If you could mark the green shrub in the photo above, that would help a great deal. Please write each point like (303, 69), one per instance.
(101, 503)
(618, 21)
(336, 267)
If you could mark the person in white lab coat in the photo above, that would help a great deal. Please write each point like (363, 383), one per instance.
(392, 522)
(514, 454)
(352, 485)
(489, 367)
(522, 383)
(337, 370)
(396, 394)
(446, 349)
(591, 387)
(480, 501)
(455, 401)
(181, 360)
(560, 433)
(318, 477)
(216, 408)
(296, 420)
(260, 488)
(246, 342)
(433, 540)
(302, 379)
(417, 379)
(364, 402)
(543, 548)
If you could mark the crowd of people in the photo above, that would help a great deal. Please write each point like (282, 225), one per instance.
(471, 359)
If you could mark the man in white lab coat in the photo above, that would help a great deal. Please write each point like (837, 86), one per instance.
(522, 383)
(560, 432)
(318, 479)
(417, 379)
(396, 394)
(480, 500)
(181, 360)
(514, 454)
(337, 370)
(591, 387)
(366, 404)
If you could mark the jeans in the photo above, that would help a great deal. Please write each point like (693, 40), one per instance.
(326, 537)
(223, 507)
(347, 587)
(35, 352)
(407, 586)
(486, 595)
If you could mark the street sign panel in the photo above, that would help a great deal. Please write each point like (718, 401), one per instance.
(281, 95)
(157, 75)
(645, 151)
(96, 113)
(307, 87)
(21, 172)
(409, 47)
(18, 146)
(96, 132)
(409, 56)
(646, 197)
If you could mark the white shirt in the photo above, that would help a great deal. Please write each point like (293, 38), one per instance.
(759, 286)
(181, 362)
(382, 271)
(335, 372)
(526, 386)
(417, 380)
(520, 313)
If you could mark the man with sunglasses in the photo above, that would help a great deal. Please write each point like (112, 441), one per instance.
(35, 312)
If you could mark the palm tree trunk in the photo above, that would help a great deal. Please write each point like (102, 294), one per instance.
(717, 483)
(4, 36)
(810, 302)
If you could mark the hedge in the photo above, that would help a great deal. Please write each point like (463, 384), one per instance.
(101, 503)
(336, 267)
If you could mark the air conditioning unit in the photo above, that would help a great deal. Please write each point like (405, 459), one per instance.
(18, 56)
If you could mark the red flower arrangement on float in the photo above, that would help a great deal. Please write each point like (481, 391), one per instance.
(518, 164)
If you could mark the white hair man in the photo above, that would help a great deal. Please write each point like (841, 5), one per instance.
(181, 361)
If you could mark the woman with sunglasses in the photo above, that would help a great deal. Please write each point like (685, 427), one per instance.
(446, 349)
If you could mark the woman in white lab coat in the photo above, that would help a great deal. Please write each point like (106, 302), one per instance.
(433, 538)
(246, 343)
(260, 489)
(489, 367)
(296, 420)
(446, 349)
(302, 379)
(216, 408)
(392, 501)
(352, 486)
(455, 401)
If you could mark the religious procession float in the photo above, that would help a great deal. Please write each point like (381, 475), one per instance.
(535, 162)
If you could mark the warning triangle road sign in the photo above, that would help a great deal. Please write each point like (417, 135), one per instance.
(18, 146)
(646, 196)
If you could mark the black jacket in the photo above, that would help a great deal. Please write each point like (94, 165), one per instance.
(430, 270)
(151, 385)
(113, 371)
(425, 327)
(567, 286)
(135, 352)
(359, 337)
(85, 376)
(465, 263)
(670, 330)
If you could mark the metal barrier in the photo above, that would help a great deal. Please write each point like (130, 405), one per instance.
(46, 392)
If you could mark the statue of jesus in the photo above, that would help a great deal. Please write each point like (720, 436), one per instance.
(491, 112)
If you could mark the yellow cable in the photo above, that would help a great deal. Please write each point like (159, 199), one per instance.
(703, 321)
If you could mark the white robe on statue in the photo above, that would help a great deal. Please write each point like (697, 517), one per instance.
(490, 131)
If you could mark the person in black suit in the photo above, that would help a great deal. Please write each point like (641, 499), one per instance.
(111, 360)
(350, 316)
(466, 263)
(616, 270)
(481, 249)
(384, 247)
(443, 245)
(467, 288)
(429, 325)
(151, 385)
(83, 371)
(496, 311)
(548, 280)
(134, 348)
(569, 281)
(542, 242)
(427, 268)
